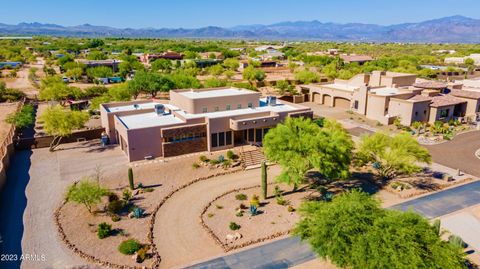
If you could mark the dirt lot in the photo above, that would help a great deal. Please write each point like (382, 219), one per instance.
(5, 110)
(272, 218)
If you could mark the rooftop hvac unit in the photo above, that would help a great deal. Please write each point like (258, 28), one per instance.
(271, 100)
(159, 109)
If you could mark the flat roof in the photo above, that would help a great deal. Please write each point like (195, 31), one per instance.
(198, 94)
(386, 91)
(340, 86)
(279, 107)
(131, 107)
(150, 119)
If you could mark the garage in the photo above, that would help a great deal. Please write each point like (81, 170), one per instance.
(327, 99)
(341, 103)
(317, 98)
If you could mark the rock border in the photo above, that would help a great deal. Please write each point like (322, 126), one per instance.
(418, 193)
(227, 247)
(477, 153)
(156, 256)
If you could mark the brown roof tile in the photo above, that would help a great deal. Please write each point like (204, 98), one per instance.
(445, 100)
(465, 94)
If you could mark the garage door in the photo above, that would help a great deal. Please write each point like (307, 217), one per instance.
(317, 98)
(341, 103)
(326, 100)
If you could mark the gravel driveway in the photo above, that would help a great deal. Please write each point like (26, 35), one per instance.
(179, 236)
(36, 184)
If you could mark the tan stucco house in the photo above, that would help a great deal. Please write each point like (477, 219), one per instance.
(194, 120)
(386, 96)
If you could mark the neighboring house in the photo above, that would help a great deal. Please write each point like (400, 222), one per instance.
(193, 121)
(353, 58)
(95, 63)
(267, 47)
(208, 55)
(169, 55)
(10, 64)
(272, 55)
(263, 64)
(461, 60)
(385, 96)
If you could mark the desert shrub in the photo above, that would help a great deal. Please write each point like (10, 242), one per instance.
(142, 254)
(226, 163)
(129, 247)
(233, 226)
(231, 155)
(116, 218)
(241, 197)
(214, 162)
(239, 213)
(104, 230)
(195, 165)
(112, 197)
(221, 158)
(115, 207)
(255, 201)
(148, 189)
(138, 212)
(126, 195)
(210, 215)
(281, 200)
(290, 209)
(219, 206)
(456, 241)
(95, 91)
(242, 206)
(204, 158)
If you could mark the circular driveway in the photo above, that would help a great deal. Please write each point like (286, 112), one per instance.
(459, 153)
(178, 234)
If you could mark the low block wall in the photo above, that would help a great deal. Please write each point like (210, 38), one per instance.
(44, 141)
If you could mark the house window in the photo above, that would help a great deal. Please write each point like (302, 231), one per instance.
(250, 105)
(444, 113)
(204, 110)
(228, 107)
(251, 133)
(216, 108)
(258, 135)
(239, 106)
(228, 138)
(221, 139)
(214, 141)
(355, 104)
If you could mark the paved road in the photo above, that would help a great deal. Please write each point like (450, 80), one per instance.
(280, 254)
(444, 202)
(459, 153)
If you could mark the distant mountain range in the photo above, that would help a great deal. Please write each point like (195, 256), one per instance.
(455, 29)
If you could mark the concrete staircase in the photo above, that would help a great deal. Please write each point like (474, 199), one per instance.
(252, 157)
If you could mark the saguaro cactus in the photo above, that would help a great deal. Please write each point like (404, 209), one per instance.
(130, 178)
(264, 180)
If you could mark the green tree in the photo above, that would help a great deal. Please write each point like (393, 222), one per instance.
(300, 145)
(150, 83)
(161, 65)
(214, 83)
(306, 76)
(23, 118)
(231, 63)
(99, 72)
(353, 231)
(54, 89)
(392, 155)
(282, 86)
(86, 192)
(74, 73)
(59, 123)
(97, 55)
(250, 73)
(216, 70)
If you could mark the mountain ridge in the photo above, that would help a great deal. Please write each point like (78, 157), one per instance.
(453, 29)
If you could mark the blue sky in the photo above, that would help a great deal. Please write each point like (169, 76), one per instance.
(226, 13)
